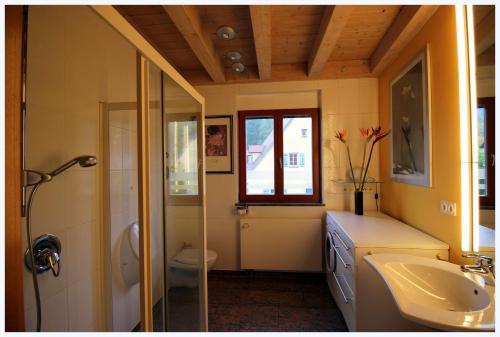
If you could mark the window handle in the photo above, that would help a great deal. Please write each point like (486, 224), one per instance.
(281, 163)
(493, 159)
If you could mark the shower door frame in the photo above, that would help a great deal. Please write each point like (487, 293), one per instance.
(14, 292)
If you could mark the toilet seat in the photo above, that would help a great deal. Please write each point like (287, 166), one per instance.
(184, 268)
(190, 256)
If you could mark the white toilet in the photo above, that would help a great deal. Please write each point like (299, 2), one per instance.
(185, 265)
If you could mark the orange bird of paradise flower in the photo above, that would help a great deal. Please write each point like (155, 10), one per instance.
(366, 133)
(341, 135)
(378, 134)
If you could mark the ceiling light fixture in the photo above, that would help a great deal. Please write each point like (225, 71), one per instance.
(233, 56)
(238, 67)
(226, 33)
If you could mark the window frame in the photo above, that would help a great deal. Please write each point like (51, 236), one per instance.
(279, 197)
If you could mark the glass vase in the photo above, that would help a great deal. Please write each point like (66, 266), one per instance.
(358, 202)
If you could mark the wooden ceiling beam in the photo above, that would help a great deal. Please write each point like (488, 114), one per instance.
(485, 32)
(333, 22)
(188, 22)
(286, 72)
(261, 27)
(405, 26)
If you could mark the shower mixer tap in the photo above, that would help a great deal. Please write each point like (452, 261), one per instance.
(44, 252)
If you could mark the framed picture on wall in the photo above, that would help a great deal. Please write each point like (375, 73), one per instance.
(219, 144)
(410, 122)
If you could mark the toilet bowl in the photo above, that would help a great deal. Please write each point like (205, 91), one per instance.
(185, 265)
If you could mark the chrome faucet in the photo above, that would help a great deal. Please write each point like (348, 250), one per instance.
(483, 265)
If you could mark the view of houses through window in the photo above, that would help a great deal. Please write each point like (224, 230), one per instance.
(297, 156)
(297, 175)
(260, 156)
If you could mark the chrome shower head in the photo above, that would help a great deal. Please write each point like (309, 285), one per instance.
(86, 161)
(32, 177)
(83, 161)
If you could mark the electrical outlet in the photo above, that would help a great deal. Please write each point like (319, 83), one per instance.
(448, 207)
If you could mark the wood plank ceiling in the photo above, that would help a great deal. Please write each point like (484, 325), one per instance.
(484, 21)
(278, 43)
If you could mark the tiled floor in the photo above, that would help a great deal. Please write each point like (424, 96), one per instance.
(183, 311)
(270, 301)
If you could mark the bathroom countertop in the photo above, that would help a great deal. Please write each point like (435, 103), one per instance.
(375, 229)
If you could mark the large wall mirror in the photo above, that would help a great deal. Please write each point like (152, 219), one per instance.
(484, 37)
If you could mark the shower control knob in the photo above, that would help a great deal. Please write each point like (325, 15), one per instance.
(47, 254)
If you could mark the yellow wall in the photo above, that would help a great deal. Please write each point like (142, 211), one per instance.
(416, 205)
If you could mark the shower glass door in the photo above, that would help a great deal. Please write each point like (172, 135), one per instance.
(185, 271)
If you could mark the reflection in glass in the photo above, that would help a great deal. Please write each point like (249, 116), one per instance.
(484, 38)
(297, 156)
(183, 158)
(260, 156)
(481, 135)
(183, 172)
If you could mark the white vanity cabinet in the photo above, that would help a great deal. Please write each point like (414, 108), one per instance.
(348, 238)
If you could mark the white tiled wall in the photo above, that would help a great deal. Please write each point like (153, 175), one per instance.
(347, 103)
(75, 61)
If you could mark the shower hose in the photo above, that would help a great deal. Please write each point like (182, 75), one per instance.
(32, 258)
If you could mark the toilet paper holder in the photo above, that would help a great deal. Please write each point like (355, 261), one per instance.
(242, 209)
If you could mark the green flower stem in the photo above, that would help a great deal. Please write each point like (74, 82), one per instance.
(363, 165)
(350, 165)
(367, 166)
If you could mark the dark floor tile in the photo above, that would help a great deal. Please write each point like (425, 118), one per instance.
(259, 315)
(223, 327)
(271, 301)
(212, 312)
(310, 319)
(228, 314)
(274, 284)
(318, 300)
(258, 328)
(183, 317)
(227, 296)
(178, 295)
(275, 297)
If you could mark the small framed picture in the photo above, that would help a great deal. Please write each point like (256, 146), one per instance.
(410, 123)
(219, 144)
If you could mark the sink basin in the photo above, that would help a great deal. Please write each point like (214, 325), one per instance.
(436, 293)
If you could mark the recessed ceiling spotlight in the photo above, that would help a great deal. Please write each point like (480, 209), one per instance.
(238, 67)
(226, 33)
(233, 56)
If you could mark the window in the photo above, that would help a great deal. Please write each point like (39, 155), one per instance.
(182, 156)
(486, 142)
(276, 166)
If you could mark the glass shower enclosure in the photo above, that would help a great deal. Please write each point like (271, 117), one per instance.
(132, 227)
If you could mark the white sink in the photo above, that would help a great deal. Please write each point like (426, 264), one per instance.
(436, 293)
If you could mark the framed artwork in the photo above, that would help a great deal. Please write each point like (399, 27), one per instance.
(410, 123)
(219, 144)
